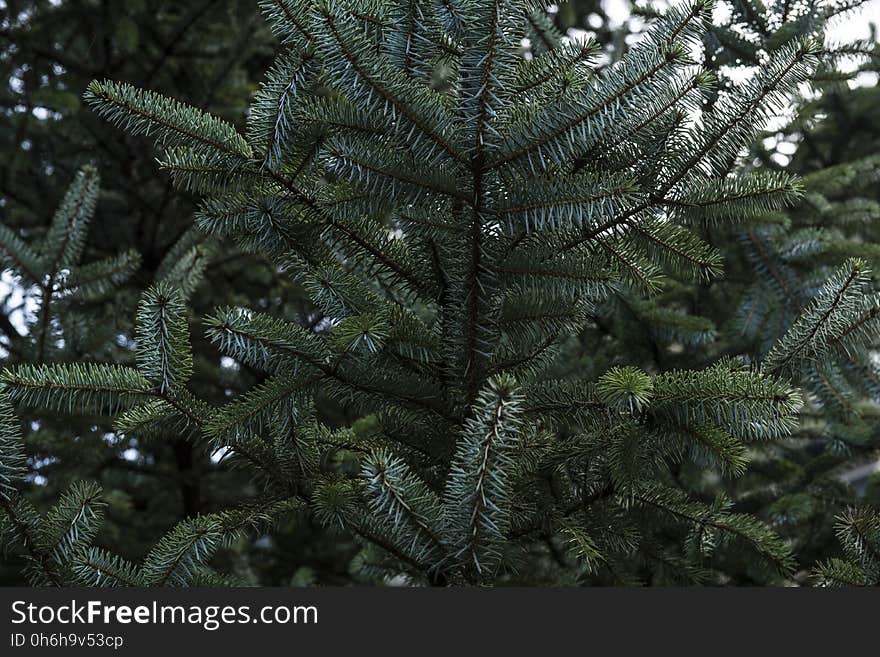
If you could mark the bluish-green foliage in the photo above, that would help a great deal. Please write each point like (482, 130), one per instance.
(458, 216)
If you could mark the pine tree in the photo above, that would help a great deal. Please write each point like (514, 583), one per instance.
(781, 269)
(459, 216)
(811, 487)
(208, 53)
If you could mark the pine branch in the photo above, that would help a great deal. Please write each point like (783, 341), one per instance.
(169, 122)
(163, 351)
(476, 497)
(345, 52)
(76, 387)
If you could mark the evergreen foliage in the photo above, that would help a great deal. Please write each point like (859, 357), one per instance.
(62, 284)
(807, 300)
(481, 238)
(207, 53)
